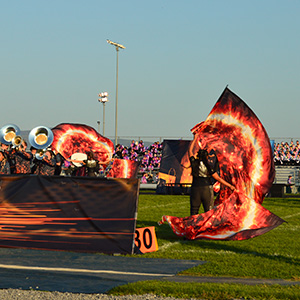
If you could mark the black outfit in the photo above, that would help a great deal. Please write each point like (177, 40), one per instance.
(10, 158)
(59, 162)
(202, 185)
(4, 167)
(22, 160)
(289, 185)
(45, 166)
(92, 167)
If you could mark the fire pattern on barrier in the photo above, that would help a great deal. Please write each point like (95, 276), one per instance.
(71, 214)
(244, 152)
(124, 168)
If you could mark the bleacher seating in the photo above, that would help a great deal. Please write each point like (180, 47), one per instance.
(282, 173)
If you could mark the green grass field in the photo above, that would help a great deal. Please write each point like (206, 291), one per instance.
(273, 255)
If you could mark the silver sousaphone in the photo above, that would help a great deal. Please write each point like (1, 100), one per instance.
(41, 138)
(8, 133)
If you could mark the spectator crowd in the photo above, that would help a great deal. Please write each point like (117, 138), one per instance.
(148, 157)
(287, 154)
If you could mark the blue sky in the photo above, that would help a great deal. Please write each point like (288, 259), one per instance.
(179, 57)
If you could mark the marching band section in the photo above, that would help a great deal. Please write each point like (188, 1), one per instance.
(67, 149)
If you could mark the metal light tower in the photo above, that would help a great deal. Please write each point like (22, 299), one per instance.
(118, 46)
(103, 99)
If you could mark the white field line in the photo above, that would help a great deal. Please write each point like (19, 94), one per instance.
(224, 253)
(169, 245)
(291, 216)
(15, 267)
(166, 246)
(288, 228)
(169, 204)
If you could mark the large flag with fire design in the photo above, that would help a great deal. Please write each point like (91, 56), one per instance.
(75, 139)
(79, 138)
(245, 157)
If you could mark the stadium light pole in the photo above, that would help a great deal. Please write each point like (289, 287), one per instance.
(103, 98)
(118, 46)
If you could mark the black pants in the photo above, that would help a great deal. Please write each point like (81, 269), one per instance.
(201, 194)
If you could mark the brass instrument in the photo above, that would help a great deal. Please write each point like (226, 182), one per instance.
(8, 133)
(17, 141)
(41, 138)
(40, 154)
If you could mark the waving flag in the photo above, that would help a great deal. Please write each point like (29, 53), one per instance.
(72, 138)
(124, 168)
(245, 157)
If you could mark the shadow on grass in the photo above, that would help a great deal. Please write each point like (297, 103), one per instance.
(205, 244)
(165, 233)
(282, 201)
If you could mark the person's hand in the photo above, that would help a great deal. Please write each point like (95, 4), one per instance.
(232, 187)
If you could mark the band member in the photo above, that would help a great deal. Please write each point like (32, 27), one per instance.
(22, 159)
(91, 165)
(59, 163)
(7, 153)
(87, 167)
(66, 168)
(4, 165)
(75, 166)
(46, 165)
(203, 173)
(33, 163)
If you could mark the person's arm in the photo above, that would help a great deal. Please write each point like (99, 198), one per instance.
(192, 146)
(50, 161)
(76, 161)
(27, 155)
(221, 180)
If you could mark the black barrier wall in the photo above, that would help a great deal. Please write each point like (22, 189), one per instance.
(68, 213)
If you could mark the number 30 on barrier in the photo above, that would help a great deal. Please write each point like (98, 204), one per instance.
(145, 239)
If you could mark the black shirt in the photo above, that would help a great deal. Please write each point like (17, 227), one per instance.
(202, 174)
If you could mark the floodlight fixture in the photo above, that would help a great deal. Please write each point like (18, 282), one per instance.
(115, 44)
(103, 98)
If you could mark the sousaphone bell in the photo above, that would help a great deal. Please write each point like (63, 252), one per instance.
(41, 138)
(8, 133)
